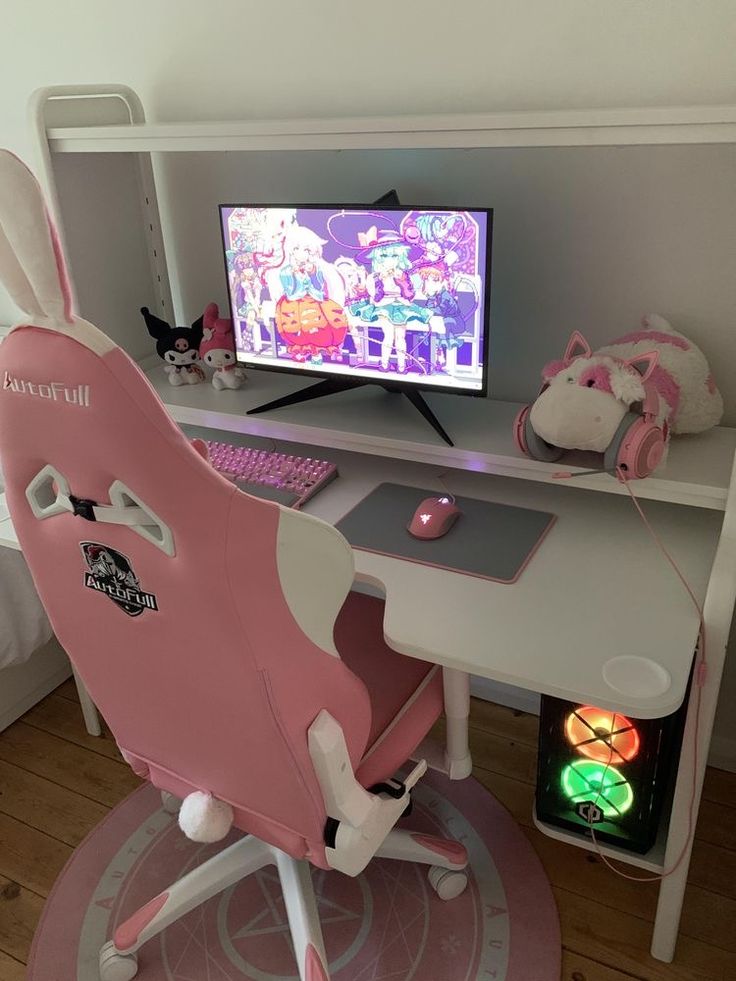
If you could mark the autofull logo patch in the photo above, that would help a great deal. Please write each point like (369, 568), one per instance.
(110, 572)
(54, 391)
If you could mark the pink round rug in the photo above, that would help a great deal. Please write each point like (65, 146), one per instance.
(387, 923)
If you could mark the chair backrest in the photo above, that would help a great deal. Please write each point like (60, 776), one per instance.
(204, 631)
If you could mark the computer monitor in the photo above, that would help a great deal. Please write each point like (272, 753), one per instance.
(390, 294)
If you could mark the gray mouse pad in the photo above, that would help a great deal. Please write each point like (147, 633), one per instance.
(488, 540)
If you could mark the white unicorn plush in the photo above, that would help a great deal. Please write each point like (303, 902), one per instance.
(623, 400)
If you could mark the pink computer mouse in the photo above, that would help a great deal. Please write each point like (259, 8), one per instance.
(433, 518)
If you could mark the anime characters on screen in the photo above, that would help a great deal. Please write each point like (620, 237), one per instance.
(417, 274)
(443, 301)
(390, 303)
(377, 291)
(246, 288)
(309, 319)
(354, 277)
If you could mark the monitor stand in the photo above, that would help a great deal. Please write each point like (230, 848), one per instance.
(330, 386)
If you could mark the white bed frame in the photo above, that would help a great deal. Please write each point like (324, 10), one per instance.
(23, 685)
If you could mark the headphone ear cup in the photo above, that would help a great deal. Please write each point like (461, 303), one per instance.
(531, 444)
(637, 447)
(611, 459)
(519, 425)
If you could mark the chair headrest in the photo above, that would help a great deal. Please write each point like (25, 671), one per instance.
(32, 266)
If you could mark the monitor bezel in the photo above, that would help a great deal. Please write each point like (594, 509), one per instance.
(395, 381)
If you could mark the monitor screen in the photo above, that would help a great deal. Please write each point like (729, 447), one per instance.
(384, 294)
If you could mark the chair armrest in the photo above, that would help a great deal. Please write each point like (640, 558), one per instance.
(365, 819)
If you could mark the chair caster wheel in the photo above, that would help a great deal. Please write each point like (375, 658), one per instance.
(447, 883)
(115, 966)
(170, 803)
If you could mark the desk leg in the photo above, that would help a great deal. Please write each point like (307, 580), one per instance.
(672, 886)
(457, 710)
(689, 786)
(688, 789)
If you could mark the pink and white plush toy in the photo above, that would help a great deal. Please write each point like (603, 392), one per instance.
(623, 400)
(218, 349)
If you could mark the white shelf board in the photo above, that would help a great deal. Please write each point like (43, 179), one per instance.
(651, 861)
(582, 127)
(368, 420)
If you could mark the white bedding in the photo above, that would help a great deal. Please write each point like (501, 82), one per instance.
(23, 623)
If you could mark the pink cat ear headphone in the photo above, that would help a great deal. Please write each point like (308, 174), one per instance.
(635, 451)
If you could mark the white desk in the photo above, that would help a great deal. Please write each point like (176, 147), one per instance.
(598, 588)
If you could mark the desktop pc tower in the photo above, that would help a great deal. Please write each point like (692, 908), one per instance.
(598, 768)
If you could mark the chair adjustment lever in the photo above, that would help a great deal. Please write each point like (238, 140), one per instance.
(395, 790)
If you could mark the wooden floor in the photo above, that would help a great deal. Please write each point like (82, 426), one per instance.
(56, 783)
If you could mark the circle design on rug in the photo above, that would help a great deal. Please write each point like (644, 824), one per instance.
(351, 909)
(386, 923)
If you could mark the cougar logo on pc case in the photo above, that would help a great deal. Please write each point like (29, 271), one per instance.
(589, 812)
(110, 572)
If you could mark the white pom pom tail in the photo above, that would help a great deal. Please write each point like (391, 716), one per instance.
(204, 818)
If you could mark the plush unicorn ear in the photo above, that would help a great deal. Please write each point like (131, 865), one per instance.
(577, 347)
(628, 386)
(31, 264)
(644, 364)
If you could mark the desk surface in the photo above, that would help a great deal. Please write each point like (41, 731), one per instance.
(597, 589)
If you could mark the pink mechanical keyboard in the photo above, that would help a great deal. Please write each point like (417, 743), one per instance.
(288, 480)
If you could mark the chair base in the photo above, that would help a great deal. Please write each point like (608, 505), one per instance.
(118, 958)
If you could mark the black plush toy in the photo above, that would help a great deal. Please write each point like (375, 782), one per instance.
(178, 347)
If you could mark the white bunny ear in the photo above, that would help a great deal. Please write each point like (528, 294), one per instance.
(15, 280)
(31, 264)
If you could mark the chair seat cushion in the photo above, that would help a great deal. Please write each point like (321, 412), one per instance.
(406, 694)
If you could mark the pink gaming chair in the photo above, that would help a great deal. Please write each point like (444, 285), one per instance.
(216, 632)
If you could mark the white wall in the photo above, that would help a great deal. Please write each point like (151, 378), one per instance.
(241, 59)
(236, 59)
(585, 238)
(190, 59)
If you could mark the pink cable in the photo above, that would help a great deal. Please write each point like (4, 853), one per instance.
(700, 676)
